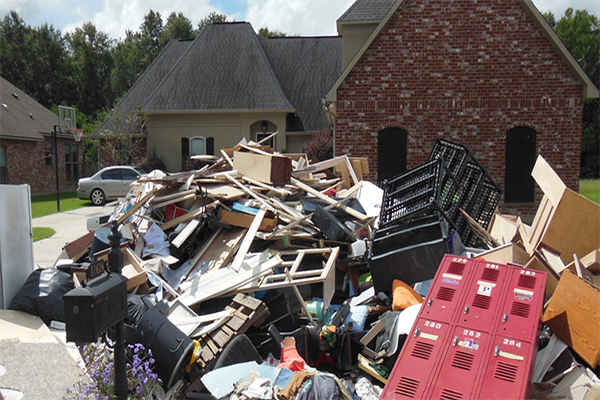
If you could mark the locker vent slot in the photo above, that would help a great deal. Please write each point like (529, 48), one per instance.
(482, 302)
(445, 294)
(526, 281)
(407, 387)
(463, 360)
(448, 394)
(422, 350)
(456, 268)
(506, 372)
(490, 274)
(520, 309)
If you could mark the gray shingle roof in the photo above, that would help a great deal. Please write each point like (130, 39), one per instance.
(225, 68)
(306, 69)
(367, 10)
(23, 117)
(147, 82)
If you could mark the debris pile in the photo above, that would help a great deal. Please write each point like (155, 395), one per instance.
(263, 275)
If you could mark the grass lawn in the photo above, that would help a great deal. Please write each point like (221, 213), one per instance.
(42, 233)
(590, 188)
(46, 204)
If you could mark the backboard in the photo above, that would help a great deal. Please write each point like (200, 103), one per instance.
(67, 118)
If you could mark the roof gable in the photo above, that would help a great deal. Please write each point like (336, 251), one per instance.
(589, 90)
(224, 69)
(23, 117)
(365, 12)
(306, 67)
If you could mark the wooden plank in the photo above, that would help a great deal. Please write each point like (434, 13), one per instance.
(248, 239)
(363, 364)
(222, 248)
(329, 200)
(224, 192)
(250, 192)
(374, 331)
(551, 184)
(280, 191)
(573, 314)
(224, 153)
(137, 204)
(191, 196)
(185, 233)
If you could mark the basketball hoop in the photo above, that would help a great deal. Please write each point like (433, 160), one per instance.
(77, 134)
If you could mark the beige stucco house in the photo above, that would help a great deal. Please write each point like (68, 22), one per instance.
(206, 94)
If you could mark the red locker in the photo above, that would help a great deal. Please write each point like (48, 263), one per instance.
(522, 307)
(418, 361)
(448, 289)
(484, 295)
(461, 365)
(509, 368)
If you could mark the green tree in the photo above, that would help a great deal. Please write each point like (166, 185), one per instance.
(549, 17)
(92, 54)
(14, 52)
(265, 32)
(580, 32)
(149, 44)
(178, 26)
(211, 18)
(127, 68)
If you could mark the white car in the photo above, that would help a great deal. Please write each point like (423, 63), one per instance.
(108, 184)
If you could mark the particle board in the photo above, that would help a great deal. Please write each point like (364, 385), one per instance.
(573, 314)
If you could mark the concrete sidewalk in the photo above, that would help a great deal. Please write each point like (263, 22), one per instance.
(69, 225)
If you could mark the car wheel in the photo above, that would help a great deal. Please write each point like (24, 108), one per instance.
(97, 197)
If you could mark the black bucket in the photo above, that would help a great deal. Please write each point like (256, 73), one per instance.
(171, 348)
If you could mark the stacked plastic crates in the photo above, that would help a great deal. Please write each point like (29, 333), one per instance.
(466, 186)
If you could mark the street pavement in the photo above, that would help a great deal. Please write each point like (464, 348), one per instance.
(69, 225)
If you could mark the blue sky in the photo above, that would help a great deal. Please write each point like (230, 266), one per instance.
(299, 17)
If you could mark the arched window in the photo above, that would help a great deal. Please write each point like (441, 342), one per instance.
(391, 153)
(520, 159)
(197, 146)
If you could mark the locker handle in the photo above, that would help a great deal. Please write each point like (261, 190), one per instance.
(497, 351)
(505, 317)
(417, 332)
(466, 309)
(429, 302)
(455, 341)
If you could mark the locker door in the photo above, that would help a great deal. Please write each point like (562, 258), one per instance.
(462, 365)
(418, 361)
(509, 368)
(447, 291)
(484, 295)
(521, 309)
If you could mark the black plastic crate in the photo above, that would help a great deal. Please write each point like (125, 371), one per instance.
(455, 155)
(469, 182)
(481, 208)
(412, 194)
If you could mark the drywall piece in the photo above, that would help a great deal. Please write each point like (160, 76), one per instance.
(573, 313)
(552, 260)
(590, 261)
(550, 183)
(16, 243)
(575, 385)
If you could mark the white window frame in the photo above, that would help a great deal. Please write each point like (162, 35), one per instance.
(192, 147)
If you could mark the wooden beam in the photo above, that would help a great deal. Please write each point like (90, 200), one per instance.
(349, 210)
(247, 242)
(189, 216)
(137, 205)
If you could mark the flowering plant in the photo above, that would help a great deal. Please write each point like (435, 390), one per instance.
(143, 383)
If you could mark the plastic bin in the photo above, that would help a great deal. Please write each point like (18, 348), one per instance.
(412, 194)
(481, 208)
(410, 252)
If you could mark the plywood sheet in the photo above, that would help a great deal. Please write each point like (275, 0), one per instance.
(574, 315)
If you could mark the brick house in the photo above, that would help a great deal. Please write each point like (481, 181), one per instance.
(26, 149)
(489, 74)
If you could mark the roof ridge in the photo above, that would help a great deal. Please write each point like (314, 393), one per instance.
(272, 71)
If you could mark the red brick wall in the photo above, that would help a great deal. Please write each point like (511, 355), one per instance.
(467, 71)
(26, 165)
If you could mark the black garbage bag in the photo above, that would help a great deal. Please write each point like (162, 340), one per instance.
(42, 294)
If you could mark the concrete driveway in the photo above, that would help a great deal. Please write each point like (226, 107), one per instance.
(69, 225)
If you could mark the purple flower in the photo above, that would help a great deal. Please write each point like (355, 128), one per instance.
(140, 377)
(151, 360)
(68, 390)
(87, 359)
(146, 380)
(150, 352)
(87, 389)
(105, 380)
(106, 373)
(138, 389)
(105, 398)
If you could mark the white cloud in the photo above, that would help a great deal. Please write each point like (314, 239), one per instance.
(306, 17)
(558, 7)
(117, 16)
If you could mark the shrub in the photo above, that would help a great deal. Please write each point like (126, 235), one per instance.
(151, 162)
(320, 145)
